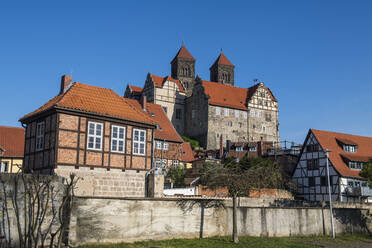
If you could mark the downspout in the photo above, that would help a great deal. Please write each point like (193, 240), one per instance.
(152, 166)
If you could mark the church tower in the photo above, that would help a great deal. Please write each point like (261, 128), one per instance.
(222, 71)
(183, 68)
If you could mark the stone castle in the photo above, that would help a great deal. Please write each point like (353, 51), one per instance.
(209, 111)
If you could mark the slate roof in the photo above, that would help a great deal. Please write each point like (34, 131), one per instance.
(166, 131)
(94, 100)
(12, 141)
(328, 140)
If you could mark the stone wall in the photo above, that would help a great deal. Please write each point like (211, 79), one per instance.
(103, 182)
(127, 220)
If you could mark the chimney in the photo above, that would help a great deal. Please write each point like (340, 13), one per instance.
(221, 147)
(65, 82)
(143, 102)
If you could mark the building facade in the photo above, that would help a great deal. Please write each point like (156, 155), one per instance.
(94, 133)
(347, 154)
(205, 110)
(12, 142)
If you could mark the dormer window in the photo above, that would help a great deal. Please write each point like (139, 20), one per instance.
(356, 165)
(349, 148)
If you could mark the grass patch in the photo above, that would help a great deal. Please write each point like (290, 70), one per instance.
(250, 242)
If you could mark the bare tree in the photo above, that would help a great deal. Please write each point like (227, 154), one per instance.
(240, 177)
(35, 208)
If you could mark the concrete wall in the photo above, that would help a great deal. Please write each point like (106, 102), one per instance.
(126, 220)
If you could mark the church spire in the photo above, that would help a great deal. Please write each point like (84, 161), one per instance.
(222, 70)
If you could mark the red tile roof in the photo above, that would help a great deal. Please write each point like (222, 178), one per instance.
(157, 114)
(12, 140)
(135, 89)
(229, 96)
(95, 100)
(183, 53)
(222, 60)
(328, 140)
(187, 153)
(159, 81)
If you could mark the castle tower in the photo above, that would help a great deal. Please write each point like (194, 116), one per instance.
(222, 70)
(183, 68)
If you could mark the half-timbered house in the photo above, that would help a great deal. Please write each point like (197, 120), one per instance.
(347, 154)
(94, 133)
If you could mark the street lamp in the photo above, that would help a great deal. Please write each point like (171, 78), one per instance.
(329, 193)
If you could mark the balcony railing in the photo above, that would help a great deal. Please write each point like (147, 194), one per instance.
(366, 191)
(359, 191)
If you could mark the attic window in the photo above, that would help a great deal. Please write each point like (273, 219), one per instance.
(356, 165)
(349, 148)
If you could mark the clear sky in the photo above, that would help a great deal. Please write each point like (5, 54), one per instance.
(316, 56)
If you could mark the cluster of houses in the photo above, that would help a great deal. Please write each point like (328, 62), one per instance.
(96, 132)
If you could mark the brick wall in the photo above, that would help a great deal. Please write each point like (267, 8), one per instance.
(174, 152)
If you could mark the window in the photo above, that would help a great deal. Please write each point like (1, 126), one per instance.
(165, 145)
(253, 126)
(240, 125)
(355, 165)
(178, 114)
(117, 139)
(252, 113)
(193, 113)
(312, 164)
(268, 117)
(218, 110)
(323, 181)
(94, 135)
(262, 94)
(158, 162)
(312, 148)
(259, 102)
(311, 181)
(236, 113)
(245, 115)
(165, 109)
(159, 145)
(40, 136)
(263, 129)
(259, 113)
(266, 103)
(239, 149)
(139, 141)
(229, 123)
(227, 113)
(176, 163)
(349, 148)
(4, 166)
(252, 148)
(350, 183)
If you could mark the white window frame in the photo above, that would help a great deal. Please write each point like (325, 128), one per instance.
(158, 162)
(40, 131)
(95, 136)
(159, 145)
(227, 112)
(349, 148)
(245, 115)
(117, 139)
(237, 113)
(218, 110)
(4, 167)
(239, 148)
(165, 146)
(253, 113)
(252, 149)
(139, 142)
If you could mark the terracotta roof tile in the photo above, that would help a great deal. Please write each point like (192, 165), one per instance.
(187, 153)
(158, 116)
(222, 60)
(328, 140)
(12, 140)
(95, 100)
(135, 89)
(183, 53)
(229, 96)
(159, 81)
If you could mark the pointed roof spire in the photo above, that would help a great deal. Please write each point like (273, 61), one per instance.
(183, 53)
(222, 60)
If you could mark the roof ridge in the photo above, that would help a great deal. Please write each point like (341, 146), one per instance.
(324, 131)
(2, 126)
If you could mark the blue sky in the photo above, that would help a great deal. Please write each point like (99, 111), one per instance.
(316, 56)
